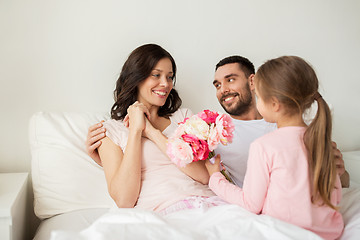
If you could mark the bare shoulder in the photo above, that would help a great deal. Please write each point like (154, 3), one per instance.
(107, 146)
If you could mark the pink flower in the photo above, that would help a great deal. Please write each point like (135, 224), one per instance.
(199, 147)
(179, 152)
(179, 131)
(208, 116)
(225, 127)
(196, 137)
(214, 137)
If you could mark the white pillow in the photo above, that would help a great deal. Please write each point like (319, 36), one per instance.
(64, 177)
(352, 165)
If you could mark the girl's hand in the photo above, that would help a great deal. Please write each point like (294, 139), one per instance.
(212, 168)
(135, 119)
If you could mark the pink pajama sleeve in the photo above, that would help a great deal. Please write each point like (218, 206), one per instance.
(252, 195)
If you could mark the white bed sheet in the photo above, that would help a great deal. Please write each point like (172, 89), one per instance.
(350, 210)
(223, 222)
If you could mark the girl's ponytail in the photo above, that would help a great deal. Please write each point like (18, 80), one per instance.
(322, 164)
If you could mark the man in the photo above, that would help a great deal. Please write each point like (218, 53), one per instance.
(234, 83)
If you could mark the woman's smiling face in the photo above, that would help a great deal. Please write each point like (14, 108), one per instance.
(155, 89)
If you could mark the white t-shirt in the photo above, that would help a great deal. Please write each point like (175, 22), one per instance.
(235, 154)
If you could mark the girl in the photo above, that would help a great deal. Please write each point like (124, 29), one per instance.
(146, 111)
(291, 173)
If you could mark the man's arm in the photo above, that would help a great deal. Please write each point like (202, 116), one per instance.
(345, 180)
(340, 167)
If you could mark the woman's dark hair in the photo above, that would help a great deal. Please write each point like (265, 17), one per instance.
(136, 69)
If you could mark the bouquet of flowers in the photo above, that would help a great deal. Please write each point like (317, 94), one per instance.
(197, 137)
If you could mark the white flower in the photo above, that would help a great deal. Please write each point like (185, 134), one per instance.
(198, 127)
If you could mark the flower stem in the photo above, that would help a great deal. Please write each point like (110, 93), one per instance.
(226, 176)
(211, 155)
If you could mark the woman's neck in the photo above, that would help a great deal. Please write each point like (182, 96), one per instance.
(158, 122)
(154, 112)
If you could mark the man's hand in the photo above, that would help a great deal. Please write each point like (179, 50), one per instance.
(340, 167)
(93, 141)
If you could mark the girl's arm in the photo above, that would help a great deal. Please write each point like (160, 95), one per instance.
(252, 195)
(336, 195)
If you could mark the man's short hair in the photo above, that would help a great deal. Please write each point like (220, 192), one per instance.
(245, 65)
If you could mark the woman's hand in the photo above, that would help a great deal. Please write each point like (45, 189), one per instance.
(149, 129)
(212, 168)
(135, 119)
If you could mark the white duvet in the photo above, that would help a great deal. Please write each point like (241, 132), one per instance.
(222, 222)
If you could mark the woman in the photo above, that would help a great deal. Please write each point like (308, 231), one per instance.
(146, 111)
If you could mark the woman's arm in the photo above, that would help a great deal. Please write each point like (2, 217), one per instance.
(122, 170)
(195, 170)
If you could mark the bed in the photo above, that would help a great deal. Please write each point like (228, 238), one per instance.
(71, 198)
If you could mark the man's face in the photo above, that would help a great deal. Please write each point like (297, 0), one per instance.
(233, 89)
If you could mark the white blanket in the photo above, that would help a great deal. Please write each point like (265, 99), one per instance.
(222, 222)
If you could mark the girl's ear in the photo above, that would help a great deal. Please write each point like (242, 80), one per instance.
(275, 103)
(251, 82)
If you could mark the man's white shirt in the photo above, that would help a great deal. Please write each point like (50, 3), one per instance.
(235, 155)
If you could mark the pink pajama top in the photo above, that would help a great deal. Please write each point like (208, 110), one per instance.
(163, 183)
(277, 184)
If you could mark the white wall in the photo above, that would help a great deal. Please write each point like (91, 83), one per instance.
(65, 55)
